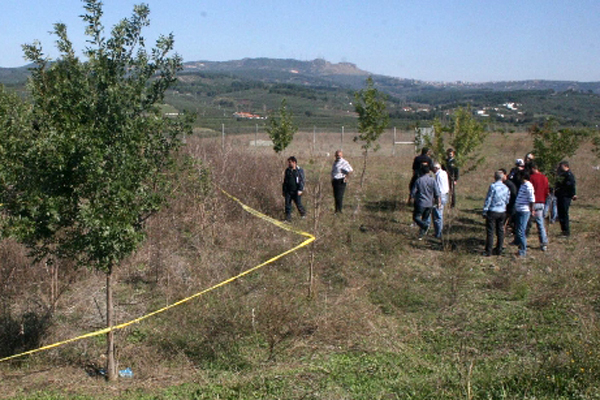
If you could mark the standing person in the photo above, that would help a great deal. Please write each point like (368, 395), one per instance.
(494, 212)
(453, 173)
(441, 180)
(523, 210)
(292, 188)
(510, 208)
(529, 161)
(515, 173)
(339, 179)
(425, 194)
(542, 190)
(418, 162)
(565, 190)
(424, 157)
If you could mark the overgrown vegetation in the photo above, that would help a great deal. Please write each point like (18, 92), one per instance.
(390, 316)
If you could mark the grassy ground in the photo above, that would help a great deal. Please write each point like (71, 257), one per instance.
(385, 317)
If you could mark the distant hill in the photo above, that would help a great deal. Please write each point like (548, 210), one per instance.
(321, 92)
(320, 72)
(14, 76)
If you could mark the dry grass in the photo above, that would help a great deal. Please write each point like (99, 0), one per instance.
(442, 307)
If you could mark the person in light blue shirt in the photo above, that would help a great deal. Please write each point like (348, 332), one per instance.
(494, 212)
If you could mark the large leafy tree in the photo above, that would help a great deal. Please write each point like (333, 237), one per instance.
(281, 127)
(373, 118)
(90, 163)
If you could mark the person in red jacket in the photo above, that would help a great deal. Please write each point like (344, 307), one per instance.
(542, 190)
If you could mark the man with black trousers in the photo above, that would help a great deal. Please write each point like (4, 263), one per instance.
(565, 190)
(339, 179)
(292, 188)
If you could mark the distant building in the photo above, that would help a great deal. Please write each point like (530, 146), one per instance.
(247, 115)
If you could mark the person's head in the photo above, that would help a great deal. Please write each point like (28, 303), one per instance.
(436, 167)
(292, 162)
(564, 166)
(424, 169)
(504, 174)
(520, 163)
(534, 167)
(499, 175)
(450, 152)
(529, 157)
(338, 154)
(424, 151)
(525, 176)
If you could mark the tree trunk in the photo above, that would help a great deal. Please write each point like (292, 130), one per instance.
(364, 170)
(111, 367)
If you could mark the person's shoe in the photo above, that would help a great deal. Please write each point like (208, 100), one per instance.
(487, 254)
(544, 247)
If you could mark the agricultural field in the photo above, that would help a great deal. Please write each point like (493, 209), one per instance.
(365, 312)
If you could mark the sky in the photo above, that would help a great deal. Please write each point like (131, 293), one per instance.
(430, 40)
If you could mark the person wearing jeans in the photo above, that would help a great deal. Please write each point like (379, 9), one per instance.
(441, 180)
(523, 209)
(425, 194)
(542, 190)
(494, 212)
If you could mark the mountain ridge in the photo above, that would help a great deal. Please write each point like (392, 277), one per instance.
(343, 74)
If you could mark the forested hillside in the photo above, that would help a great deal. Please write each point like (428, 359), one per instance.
(320, 93)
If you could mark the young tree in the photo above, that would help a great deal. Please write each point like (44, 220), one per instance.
(281, 128)
(373, 118)
(84, 176)
(464, 134)
(552, 145)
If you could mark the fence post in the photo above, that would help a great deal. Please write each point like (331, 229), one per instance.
(223, 136)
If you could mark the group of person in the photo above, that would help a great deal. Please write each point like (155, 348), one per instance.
(431, 193)
(514, 201)
(294, 180)
(522, 197)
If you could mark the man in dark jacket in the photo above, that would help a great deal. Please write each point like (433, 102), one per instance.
(292, 188)
(426, 195)
(565, 190)
(453, 174)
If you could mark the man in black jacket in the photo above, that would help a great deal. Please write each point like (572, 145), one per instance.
(292, 188)
(453, 173)
(565, 190)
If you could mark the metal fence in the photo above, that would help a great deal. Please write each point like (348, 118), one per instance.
(318, 139)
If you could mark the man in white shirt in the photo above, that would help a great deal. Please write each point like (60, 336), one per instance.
(441, 180)
(339, 178)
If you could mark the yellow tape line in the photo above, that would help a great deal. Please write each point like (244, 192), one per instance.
(250, 210)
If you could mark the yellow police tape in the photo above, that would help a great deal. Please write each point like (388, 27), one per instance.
(250, 210)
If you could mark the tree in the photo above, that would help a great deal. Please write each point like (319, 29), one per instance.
(373, 118)
(89, 164)
(464, 134)
(281, 129)
(552, 145)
